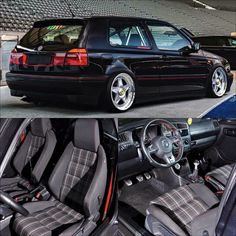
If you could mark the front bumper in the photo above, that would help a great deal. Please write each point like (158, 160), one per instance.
(82, 89)
(230, 81)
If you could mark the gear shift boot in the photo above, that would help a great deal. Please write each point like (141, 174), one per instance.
(194, 177)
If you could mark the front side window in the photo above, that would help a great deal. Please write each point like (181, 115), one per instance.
(123, 34)
(167, 38)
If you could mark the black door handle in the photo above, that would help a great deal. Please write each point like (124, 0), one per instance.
(165, 58)
(107, 57)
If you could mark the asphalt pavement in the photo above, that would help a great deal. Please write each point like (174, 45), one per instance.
(15, 107)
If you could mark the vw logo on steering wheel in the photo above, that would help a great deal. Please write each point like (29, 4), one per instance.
(165, 143)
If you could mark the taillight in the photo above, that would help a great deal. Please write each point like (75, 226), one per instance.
(18, 58)
(74, 57)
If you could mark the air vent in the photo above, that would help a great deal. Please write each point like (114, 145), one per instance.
(123, 138)
(181, 125)
(184, 132)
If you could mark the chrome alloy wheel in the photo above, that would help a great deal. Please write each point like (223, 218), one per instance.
(122, 91)
(219, 82)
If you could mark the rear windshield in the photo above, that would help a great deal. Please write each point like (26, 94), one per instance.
(52, 38)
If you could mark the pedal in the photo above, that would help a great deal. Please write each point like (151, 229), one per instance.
(139, 178)
(128, 182)
(147, 176)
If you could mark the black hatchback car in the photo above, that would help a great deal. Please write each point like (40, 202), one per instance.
(225, 46)
(113, 59)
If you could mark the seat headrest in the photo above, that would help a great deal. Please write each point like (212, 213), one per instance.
(86, 134)
(39, 127)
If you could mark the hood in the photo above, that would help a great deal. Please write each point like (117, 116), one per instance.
(210, 55)
(215, 57)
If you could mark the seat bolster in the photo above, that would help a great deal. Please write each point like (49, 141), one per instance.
(205, 222)
(33, 207)
(220, 174)
(45, 156)
(20, 157)
(56, 179)
(9, 181)
(205, 194)
(162, 218)
(94, 196)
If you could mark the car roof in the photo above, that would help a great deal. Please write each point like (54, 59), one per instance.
(96, 17)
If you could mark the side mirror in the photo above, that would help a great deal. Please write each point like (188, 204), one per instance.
(196, 47)
(189, 49)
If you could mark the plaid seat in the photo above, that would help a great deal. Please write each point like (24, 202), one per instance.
(18, 185)
(80, 170)
(70, 184)
(46, 222)
(219, 177)
(182, 206)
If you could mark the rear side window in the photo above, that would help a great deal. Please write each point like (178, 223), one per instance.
(122, 34)
(167, 38)
(232, 42)
(52, 38)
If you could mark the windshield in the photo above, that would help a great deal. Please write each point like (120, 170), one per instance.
(52, 38)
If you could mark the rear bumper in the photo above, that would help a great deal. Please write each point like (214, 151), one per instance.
(81, 89)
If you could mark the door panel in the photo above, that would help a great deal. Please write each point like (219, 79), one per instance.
(8, 128)
(178, 72)
(182, 73)
(226, 143)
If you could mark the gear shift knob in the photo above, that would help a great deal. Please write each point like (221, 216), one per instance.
(196, 164)
(194, 176)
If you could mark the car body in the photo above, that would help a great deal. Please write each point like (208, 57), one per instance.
(119, 60)
(224, 46)
(208, 143)
(16, 132)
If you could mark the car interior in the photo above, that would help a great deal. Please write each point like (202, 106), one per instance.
(57, 176)
(176, 175)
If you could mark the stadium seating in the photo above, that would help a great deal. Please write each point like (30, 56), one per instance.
(18, 15)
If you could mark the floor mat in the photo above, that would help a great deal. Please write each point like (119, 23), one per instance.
(139, 195)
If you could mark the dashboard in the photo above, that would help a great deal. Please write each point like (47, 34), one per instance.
(200, 134)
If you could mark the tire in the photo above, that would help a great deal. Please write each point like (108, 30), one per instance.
(120, 94)
(218, 81)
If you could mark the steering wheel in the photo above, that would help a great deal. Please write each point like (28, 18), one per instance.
(8, 200)
(159, 150)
